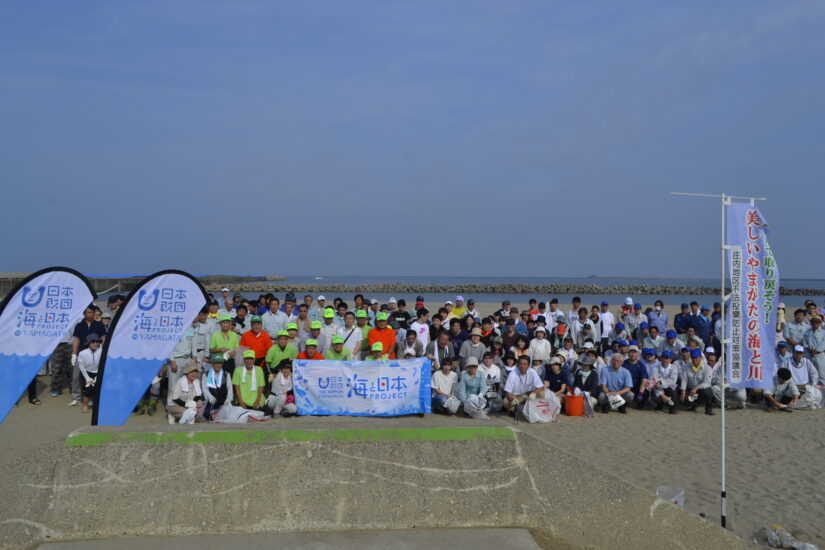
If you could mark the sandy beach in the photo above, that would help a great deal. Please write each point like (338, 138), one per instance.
(775, 469)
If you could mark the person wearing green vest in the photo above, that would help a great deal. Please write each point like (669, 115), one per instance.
(338, 352)
(249, 383)
(280, 351)
(225, 341)
(378, 353)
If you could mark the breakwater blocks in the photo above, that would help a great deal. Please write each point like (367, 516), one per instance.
(220, 479)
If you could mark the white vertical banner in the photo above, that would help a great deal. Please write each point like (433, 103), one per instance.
(142, 335)
(34, 317)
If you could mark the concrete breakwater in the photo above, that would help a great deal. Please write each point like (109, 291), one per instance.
(478, 289)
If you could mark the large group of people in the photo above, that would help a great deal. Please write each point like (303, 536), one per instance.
(239, 352)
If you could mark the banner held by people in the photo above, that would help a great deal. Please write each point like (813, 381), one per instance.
(142, 335)
(363, 388)
(34, 317)
(754, 276)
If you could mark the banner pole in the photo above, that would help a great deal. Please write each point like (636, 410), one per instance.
(722, 368)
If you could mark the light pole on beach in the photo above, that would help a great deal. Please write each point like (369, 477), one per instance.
(726, 200)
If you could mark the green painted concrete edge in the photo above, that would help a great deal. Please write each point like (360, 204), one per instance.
(258, 436)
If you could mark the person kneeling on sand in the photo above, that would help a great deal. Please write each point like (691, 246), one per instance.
(616, 385)
(663, 385)
(587, 379)
(695, 382)
(522, 383)
(444, 388)
(784, 394)
(282, 401)
(249, 383)
(734, 397)
(217, 386)
(187, 393)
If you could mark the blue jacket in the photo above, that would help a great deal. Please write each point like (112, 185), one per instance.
(637, 373)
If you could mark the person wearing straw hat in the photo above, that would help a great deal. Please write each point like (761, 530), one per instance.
(186, 394)
(472, 382)
(249, 383)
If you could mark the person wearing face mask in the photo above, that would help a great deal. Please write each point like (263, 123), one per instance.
(658, 317)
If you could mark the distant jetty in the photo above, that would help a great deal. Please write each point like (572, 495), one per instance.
(478, 289)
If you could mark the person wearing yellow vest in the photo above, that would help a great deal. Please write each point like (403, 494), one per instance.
(338, 352)
(226, 341)
(378, 353)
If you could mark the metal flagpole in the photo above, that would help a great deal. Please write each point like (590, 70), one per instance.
(726, 200)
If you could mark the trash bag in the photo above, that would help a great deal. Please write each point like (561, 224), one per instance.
(542, 409)
(810, 399)
(452, 404)
(188, 417)
(230, 414)
(475, 405)
(615, 401)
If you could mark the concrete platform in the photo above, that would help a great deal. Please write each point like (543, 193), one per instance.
(410, 539)
(331, 475)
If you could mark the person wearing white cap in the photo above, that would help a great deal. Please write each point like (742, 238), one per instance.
(806, 378)
(540, 348)
(317, 313)
(225, 293)
(735, 398)
(459, 308)
(392, 303)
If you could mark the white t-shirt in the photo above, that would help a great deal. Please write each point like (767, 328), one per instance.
(444, 383)
(422, 332)
(608, 322)
(519, 384)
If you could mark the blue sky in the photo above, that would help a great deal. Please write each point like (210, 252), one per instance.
(392, 138)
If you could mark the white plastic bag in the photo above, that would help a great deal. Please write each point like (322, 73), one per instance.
(188, 417)
(542, 409)
(452, 404)
(810, 399)
(615, 401)
(474, 406)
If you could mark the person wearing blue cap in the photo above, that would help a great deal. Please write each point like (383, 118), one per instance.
(638, 373)
(701, 323)
(658, 316)
(642, 333)
(619, 333)
(695, 383)
(783, 355)
(664, 382)
(672, 344)
(681, 320)
(608, 322)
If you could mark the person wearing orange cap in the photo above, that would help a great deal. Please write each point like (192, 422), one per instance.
(384, 334)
